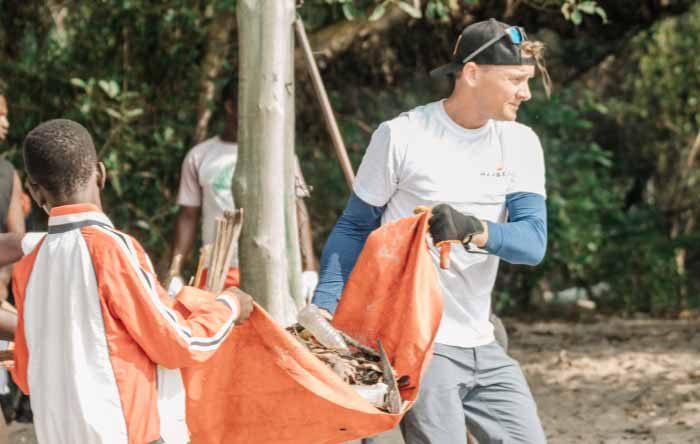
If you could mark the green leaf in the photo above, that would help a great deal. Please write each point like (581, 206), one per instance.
(576, 17)
(378, 12)
(410, 10)
(588, 7)
(601, 13)
(566, 10)
(111, 88)
(349, 11)
(442, 11)
(143, 224)
(80, 83)
(133, 113)
(114, 113)
(430, 11)
(116, 184)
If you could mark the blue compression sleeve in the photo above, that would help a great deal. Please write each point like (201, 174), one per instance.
(342, 249)
(523, 239)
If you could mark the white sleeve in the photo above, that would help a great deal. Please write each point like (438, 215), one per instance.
(30, 241)
(190, 192)
(526, 164)
(378, 175)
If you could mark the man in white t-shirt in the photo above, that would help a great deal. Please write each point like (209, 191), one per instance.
(483, 175)
(205, 192)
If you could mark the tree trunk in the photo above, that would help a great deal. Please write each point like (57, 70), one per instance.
(217, 48)
(263, 183)
(291, 223)
(683, 221)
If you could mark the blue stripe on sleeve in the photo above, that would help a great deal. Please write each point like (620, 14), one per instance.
(342, 249)
(523, 239)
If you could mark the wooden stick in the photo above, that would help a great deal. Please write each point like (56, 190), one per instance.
(228, 229)
(221, 272)
(203, 257)
(214, 262)
(329, 117)
(214, 271)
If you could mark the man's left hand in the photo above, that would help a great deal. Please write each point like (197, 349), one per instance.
(449, 225)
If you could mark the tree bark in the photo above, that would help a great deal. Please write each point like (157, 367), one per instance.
(263, 183)
(291, 223)
(217, 48)
(683, 221)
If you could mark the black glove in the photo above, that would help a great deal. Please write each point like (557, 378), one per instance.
(448, 224)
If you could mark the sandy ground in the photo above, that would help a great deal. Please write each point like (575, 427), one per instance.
(614, 381)
(607, 382)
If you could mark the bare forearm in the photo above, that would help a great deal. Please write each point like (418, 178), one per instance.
(184, 237)
(10, 248)
(15, 215)
(8, 324)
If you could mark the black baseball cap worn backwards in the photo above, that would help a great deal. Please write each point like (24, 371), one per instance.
(489, 42)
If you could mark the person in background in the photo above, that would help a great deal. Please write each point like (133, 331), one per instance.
(205, 193)
(11, 221)
(11, 211)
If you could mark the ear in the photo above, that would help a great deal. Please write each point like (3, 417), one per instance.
(38, 194)
(101, 176)
(470, 73)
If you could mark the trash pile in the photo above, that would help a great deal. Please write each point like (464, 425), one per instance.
(367, 371)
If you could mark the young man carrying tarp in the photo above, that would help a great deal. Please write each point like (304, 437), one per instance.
(483, 175)
(93, 321)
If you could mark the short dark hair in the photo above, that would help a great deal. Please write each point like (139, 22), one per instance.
(60, 156)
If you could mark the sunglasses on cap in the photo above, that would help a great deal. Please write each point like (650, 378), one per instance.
(515, 33)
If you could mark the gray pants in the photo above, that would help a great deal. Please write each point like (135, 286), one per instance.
(481, 389)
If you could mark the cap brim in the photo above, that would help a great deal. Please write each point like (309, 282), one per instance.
(446, 69)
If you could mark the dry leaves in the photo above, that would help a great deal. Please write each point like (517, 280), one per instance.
(360, 367)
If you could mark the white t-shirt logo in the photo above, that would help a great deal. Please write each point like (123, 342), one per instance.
(500, 171)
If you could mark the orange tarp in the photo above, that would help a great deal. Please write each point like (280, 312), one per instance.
(263, 386)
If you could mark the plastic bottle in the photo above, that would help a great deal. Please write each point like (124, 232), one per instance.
(310, 318)
(375, 394)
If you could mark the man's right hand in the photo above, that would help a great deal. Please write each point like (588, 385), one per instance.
(174, 284)
(245, 302)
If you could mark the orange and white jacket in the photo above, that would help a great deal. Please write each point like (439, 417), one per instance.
(93, 323)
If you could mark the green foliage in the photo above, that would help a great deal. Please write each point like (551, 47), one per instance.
(317, 13)
(657, 108)
(126, 71)
(623, 198)
(582, 197)
(575, 9)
